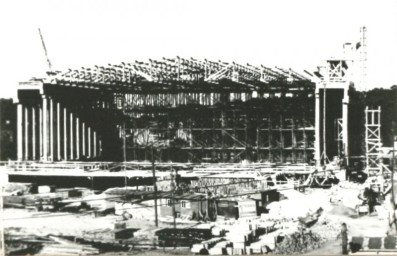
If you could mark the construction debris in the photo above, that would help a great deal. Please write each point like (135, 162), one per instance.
(299, 242)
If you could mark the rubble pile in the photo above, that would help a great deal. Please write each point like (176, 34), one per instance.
(299, 242)
(327, 228)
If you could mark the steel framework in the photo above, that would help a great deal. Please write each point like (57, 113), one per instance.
(191, 110)
(373, 141)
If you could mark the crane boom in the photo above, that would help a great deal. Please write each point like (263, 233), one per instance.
(45, 51)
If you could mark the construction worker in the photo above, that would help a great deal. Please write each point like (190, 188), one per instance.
(343, 235)
(368, 196)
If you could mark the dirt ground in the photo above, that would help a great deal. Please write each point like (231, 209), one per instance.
(67, 224)
(368, 225)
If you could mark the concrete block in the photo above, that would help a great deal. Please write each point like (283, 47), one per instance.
(196, 248)
(216, 251)
(44, 189)
(238, 251)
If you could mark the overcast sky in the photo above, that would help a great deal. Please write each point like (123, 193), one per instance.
(285, 33)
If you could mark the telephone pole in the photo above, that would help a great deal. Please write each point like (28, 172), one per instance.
(124, 158)
(173, 195)
(155, 189)
(3, 249)
(392, 184)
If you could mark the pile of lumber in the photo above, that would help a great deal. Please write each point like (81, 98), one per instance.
(68, 249)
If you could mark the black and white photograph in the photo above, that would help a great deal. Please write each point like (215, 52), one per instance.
(198, 127)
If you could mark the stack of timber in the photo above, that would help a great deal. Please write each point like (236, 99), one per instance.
(109, 235)
(68, 249)
(170, 237)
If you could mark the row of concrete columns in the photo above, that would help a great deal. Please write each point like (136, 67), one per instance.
(51, 132)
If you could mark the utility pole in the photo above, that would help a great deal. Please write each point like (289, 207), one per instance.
(3, 249)
(392, 184)
(173, 197)
(155, 189)
(324, 126)
(124, 157)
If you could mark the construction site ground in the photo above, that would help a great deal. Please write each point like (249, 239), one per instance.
(338, 205)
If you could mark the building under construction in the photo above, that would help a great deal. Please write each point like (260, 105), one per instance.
(188, 110)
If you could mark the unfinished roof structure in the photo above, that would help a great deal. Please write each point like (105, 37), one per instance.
(187, 109)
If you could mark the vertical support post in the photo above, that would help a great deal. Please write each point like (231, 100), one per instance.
(317, 153)
(258, 144)
(281, 139)
(52, 129)
(58, 131)
(89, 142)
(293, 138)
(26, 133)
(366, 140)
(19, 132)
(345, 124)
(99, 147)
(71, 137)
(65, 134)
(155, 189)
(325, 125)
(94, 143)
(77, 138)
(173, 201)
(83, 138)
(222, 134)
(247, 154)
(45, 129)
(124, 146)
(40, 132)
(304, 143)
(393, 189)
(33, 133)
(270, 137)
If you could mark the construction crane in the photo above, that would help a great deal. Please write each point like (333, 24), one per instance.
(45, 51)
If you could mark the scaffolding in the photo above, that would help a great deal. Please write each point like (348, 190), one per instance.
(373, 142)
(230, 133)
(339, 135)
(194, 111)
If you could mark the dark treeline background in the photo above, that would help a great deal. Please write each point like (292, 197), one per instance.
(387, 100)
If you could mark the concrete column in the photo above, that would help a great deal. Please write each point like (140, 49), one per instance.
(65, 134)
(40, 132)
(33, 133)
(45, 129)
(83, 138)
(317, 153)
(100, 148)
(94, 143)
(19, 132)
(89, 142)
(26, 133)
(77, 138)
(71, 136)
(52, 129)
(345, 121)
(58, 131)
